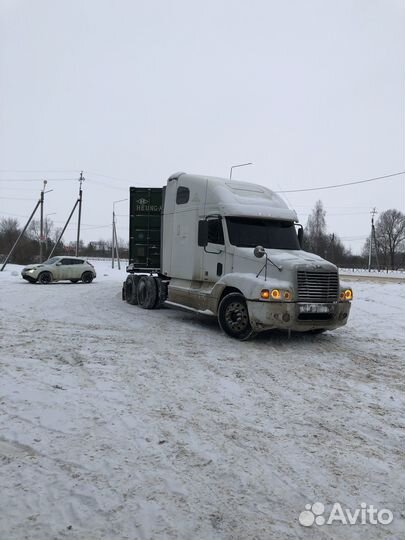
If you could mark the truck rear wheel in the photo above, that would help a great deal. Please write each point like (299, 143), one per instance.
(131, 286)
(161, 296)
(147, 292)
(233, 316)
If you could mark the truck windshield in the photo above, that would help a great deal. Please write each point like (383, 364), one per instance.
(269, 233)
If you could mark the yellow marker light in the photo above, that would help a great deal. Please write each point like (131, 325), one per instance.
(265, 293)
(275, 294)
(348, 294)
(287, 295)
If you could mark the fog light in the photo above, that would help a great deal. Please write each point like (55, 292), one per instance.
(286, 317)
(265, 293)
(275, 294)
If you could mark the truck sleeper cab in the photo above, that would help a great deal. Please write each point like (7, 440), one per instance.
(231, 250)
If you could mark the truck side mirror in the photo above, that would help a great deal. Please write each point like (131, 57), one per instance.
(203, 233)
(259, 252)
(300, 235)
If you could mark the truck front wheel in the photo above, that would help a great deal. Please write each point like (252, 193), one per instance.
(233, 316)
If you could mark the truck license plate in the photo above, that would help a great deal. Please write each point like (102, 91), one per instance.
(315, 308)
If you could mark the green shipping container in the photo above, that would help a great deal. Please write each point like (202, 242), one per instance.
(145, 211)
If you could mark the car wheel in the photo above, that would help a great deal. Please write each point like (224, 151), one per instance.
(74, 280)
(44, 278)
(131, 293)
(233, 316)
(87, 277)
(147, 292)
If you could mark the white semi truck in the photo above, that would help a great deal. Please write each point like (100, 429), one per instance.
(232, 250)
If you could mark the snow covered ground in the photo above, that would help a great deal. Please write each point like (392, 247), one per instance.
(119, 423)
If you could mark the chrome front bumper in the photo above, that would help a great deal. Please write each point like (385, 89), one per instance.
(288, 316)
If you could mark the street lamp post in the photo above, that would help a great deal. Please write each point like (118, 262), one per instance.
(235, 166)
(114, 242)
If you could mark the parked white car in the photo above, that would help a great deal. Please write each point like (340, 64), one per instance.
(73, 269)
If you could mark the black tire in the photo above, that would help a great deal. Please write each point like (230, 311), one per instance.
(87, 277)
(131, 293)
(45, 278)
(75, 280)
(147, 292)
(161, 292)
(233, 316)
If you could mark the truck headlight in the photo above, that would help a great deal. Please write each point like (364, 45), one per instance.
(346, 295)
(276, 294)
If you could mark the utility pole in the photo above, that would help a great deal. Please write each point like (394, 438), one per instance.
(41, 230)
(81, 180)
(116, 247)
(114, 239)
(372, 238)
(376, 248)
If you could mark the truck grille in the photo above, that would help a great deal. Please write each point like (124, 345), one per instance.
(317, 286)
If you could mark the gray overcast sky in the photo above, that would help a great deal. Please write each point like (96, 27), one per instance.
(310, 91)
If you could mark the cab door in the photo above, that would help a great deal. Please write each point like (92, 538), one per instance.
(214, 252)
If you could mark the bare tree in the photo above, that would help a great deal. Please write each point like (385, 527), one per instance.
(317, 240)
(9, 232)
(390, 233)
(9, 229)
(336, 252)
(34, 229)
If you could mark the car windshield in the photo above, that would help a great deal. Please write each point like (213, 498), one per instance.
(53, 260)
(269, 233)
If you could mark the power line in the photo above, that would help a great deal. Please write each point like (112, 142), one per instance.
(37, 179)
(39, 170)
(26, 190)
(106, 185)
(17, 198)
(109, 177)
(343, 185)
